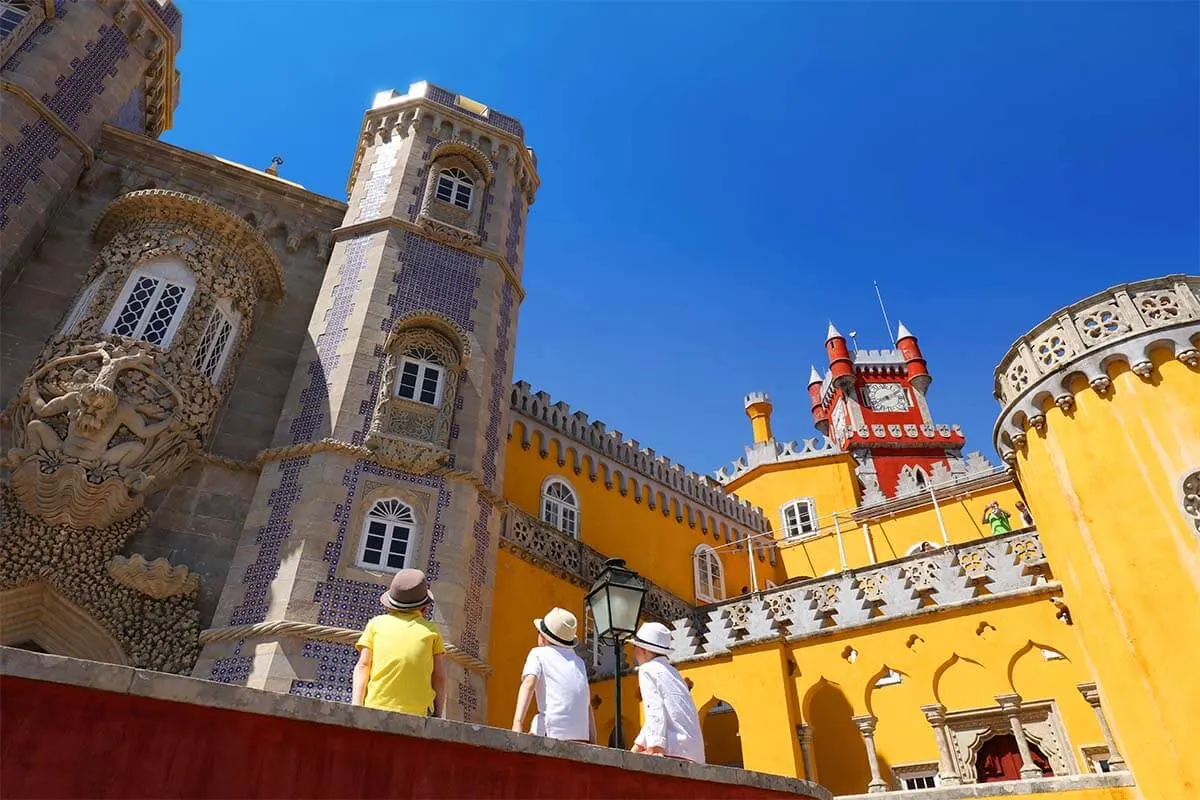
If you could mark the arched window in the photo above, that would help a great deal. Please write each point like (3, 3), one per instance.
(799, 518)
(389, 538)
(218, 339)
(455, 186)
(710, 575)
(421, 376)
(920, 478)
(560, 507)
(153, 303)
(82, 304)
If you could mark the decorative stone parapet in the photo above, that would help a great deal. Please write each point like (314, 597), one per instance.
(1121, 324)
(154, 710)
(595, 436)
(1038, 787)
(570, 559)
(775, 452)
(964, 573)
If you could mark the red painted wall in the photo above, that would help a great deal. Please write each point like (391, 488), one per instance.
(69, 742)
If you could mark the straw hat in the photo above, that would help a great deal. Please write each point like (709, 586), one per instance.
(559, 626)
(653, 636)
(409, 591)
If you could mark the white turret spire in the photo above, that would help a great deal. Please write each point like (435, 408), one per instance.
(903, 332)
(833, 333)
(813, 375)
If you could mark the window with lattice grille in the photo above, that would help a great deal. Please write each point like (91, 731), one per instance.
(217, 341)
(560, 507)
(153, 304)
(455, 186)
(421, 376)
(389, 536)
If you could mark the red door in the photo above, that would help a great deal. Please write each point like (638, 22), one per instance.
(1000, 760)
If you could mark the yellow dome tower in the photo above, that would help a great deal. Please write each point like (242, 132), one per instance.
(1102, 423)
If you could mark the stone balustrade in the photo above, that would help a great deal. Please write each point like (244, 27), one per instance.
(570, 559)
(1121, 324)
(996, 566)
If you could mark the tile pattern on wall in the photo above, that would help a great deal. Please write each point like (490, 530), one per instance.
(438, 277)
(234, 669)
(378, 180)
(335, 672)
(494, 117)
(516, 220)
(71, 100)
(418, 191)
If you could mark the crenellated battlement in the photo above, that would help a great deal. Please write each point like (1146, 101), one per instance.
(612, 444)
(774, 452)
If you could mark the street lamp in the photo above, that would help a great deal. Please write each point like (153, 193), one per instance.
(616, 602)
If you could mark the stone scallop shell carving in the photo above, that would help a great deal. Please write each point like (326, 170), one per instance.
(157, 578)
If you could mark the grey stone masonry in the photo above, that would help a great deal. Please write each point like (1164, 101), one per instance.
(160, 686)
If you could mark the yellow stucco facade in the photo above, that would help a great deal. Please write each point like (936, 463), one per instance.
(895, 641)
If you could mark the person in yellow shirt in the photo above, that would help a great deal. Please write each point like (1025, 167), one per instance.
(400, 653)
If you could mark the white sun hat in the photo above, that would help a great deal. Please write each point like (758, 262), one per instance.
(559, 626)
(655, 637)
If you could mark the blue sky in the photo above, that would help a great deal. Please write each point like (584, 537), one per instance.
(721, 180)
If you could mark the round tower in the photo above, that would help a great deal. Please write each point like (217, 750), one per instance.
(840, 364)
(918, 372)
(758, 409)
(1101, 421)
(820, 415)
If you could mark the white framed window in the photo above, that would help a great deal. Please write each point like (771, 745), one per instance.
(560, 506)
(82, 303)
(455, 186)
(799, 518)
(389, 539)
(917, 776)
(217, 341)
(11, 14)
(709, 574)
(421, 376)
(153, 303)
(1097, 758)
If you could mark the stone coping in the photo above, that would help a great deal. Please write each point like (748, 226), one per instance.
(1033, 786)
(179, 689)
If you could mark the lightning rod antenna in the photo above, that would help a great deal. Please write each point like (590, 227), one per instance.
(884, 310)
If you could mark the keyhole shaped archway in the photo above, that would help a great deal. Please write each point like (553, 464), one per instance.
(999, 759)
(722, 737)
(38, 614)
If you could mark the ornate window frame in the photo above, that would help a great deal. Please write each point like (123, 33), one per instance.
(382, 520)
(565, 512)
(83, 304)
(457, 187)
(219, 339)
(1040, 721)
(424, 361)
(708, 573)
(409, 433)
(798, 529)
(167, 272)
(446, 219)
(424, 507)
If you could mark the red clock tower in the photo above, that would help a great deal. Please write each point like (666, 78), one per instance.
(872, 403)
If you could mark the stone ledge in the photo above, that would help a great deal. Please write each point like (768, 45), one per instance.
(1038, 786)
(175, 688)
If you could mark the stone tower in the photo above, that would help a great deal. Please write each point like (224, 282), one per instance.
(1101, 414)
(67, 67)
(390, 450)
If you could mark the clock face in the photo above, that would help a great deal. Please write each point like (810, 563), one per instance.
(886, 397)
(839, 420)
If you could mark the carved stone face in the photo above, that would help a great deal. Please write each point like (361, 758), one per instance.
(95, 404)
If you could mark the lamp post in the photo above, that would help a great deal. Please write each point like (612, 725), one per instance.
(616, 602)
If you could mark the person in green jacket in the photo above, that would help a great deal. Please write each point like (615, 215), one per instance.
(997, 518)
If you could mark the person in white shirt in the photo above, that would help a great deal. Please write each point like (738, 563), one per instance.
(556, 675)
(672, 726)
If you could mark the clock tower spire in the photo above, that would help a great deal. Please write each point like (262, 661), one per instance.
(872, 403)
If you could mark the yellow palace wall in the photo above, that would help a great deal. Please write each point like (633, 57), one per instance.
(831, 483)
(1103, 483)
(653, 544)
(961, 658)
